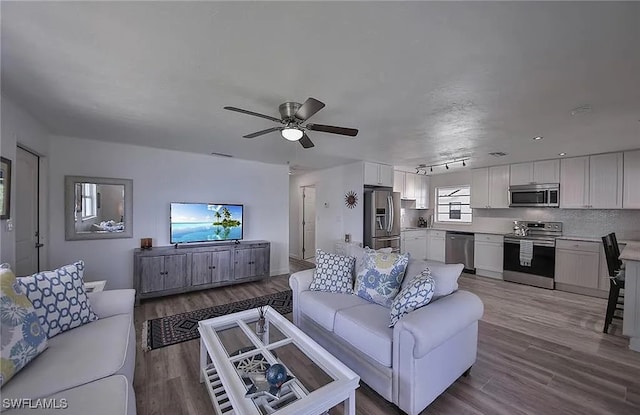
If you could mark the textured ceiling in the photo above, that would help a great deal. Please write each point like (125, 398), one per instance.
(423, 82)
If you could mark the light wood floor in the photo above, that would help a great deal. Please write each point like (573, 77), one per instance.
(540, 352)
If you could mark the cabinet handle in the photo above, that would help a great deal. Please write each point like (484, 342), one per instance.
(213, 267)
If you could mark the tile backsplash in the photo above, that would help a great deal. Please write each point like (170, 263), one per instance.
(576, 222)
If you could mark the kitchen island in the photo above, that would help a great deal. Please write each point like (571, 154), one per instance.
(631, 318)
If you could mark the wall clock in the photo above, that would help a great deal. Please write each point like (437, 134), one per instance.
(351, 199)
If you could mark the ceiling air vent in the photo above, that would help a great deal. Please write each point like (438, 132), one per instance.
(498, 154)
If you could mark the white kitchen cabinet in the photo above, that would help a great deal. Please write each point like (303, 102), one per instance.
(574, 183)
(410, 180)
(546, 171)
(631, 192)
(415, 243)
(480, 188)
(398, 181)
(436, 245)
(592, 182)
(490, 187)
(605, 181)
(577, 266)
(521, 173)
(422, 192)
(376, 174)
(488, 255)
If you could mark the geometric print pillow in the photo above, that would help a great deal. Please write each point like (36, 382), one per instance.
(333, 273)
(381, 277)
(416, 294)
(59, 298)
(22, 337)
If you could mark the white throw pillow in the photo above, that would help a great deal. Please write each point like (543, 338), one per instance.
(444, 275)
(333, 273)
(417, 294)
(59, 298)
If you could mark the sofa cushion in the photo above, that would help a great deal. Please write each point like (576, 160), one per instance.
(365, 327)
(322, 307)
(416, 294)
(109, 396)
(445, 276)
(333, 273)
(84, 354)
(379, 281)
(22, 336)
(59, 298)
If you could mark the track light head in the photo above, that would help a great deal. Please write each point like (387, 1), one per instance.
(446, 166)
(464, 164)
(431, 168)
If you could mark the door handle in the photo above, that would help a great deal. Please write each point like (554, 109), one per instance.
(39, 245)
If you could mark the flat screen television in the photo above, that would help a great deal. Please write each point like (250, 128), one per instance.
(205, 222)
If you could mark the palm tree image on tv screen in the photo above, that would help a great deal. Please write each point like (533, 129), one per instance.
(204, 222)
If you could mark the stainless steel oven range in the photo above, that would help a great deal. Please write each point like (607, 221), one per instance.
(532, 262)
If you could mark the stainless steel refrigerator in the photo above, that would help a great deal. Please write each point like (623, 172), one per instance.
(382, 219)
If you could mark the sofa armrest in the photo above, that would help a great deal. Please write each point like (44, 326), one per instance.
(301, 281)
(111, 302)
(435, 323)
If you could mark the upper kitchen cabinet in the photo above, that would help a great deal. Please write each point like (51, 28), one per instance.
(546, 171)
(376, 174)
(490, 187)
(631, 195)
(605, 181)
(410, 186)
(422, 192)
(592, 182)
(398, 181)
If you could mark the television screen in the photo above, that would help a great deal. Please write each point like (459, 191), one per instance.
(205, 222)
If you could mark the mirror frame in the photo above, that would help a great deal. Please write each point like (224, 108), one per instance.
(70, 233)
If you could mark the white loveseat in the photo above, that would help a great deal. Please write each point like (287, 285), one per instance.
(410, 364)
(90, 368)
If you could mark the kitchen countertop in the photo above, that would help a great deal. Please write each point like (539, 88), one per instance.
(469, 229)
(631, 252)
(589, 239)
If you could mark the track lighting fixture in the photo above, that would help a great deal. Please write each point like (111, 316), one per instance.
(422, 168)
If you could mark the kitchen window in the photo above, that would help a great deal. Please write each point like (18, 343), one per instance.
(453, 204)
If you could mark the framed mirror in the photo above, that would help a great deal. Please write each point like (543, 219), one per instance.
(98, 208)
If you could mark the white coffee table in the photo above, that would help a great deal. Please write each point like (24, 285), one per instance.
(228, 343)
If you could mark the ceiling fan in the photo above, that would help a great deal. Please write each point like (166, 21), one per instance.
(292, 116)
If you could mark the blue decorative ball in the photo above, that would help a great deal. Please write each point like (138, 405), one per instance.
(276, 374)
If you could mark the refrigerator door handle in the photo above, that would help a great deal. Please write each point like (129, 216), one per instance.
(390, 224)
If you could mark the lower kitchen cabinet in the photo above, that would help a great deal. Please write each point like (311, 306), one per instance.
(168, 270)
(415, 243)
(578, 267)
(436, 245)
(488, 255)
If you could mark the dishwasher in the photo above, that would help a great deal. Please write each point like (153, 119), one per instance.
(459, 249)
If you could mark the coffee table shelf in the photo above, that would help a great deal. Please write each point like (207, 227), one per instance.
(228, 342)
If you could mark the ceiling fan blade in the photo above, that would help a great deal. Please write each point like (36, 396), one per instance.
(258, 133)
(255, 114)
(306, 141)
(352, 132)
(310, 107)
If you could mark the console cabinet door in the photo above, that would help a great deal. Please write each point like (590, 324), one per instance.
(220, 266)
(151, 274)
(251, 262)
(201, 268)
(175, 271)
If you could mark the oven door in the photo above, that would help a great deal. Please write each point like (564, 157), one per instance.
(543, 263)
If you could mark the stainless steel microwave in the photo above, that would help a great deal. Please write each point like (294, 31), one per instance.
(535, 195)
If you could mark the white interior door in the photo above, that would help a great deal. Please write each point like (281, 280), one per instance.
(26, 214)
(308, 222)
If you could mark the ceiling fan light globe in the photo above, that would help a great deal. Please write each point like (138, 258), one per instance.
(292, 134)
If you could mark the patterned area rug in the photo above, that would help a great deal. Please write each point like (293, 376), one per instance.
(165, 331)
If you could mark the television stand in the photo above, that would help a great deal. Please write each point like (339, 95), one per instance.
(181, 268)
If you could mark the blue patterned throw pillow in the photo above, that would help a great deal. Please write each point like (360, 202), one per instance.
(22, 337)
(333, 273)
(59, 298)
(416, 294)
(380, 279)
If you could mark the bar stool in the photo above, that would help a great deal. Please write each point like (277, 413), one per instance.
(616, 279)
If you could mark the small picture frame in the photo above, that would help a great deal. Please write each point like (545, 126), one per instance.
(5, 187)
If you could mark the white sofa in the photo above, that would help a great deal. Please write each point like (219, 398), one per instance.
(410, 364)
(89, 367)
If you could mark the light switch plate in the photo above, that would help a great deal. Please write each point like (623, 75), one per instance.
(9, 225)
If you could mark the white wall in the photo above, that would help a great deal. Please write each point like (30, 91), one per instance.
(160, 177)
(333, 218)
(20, 128)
